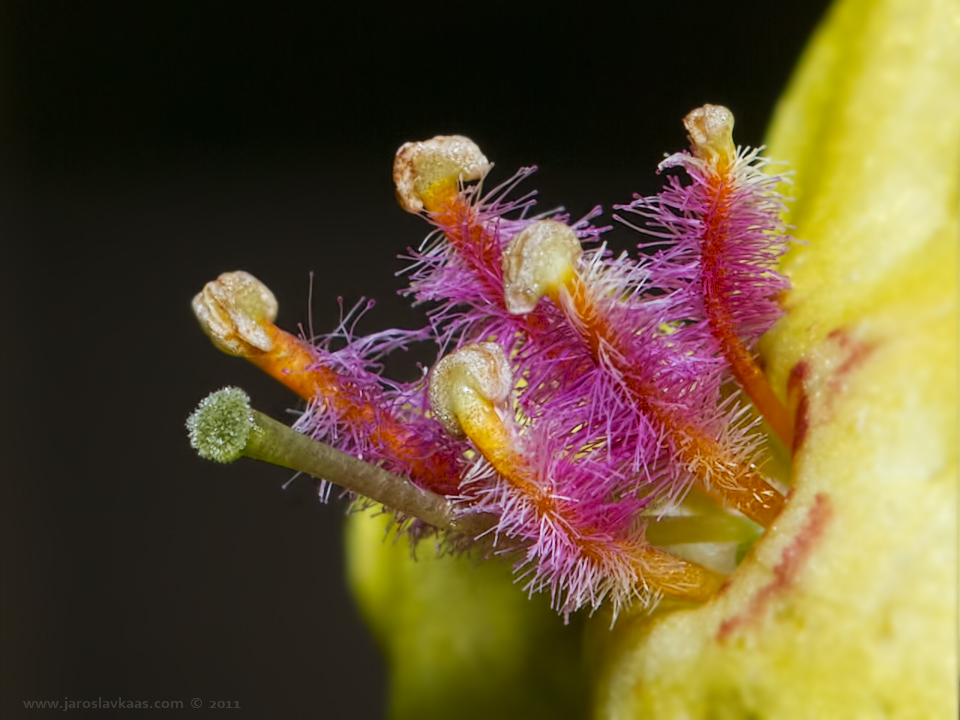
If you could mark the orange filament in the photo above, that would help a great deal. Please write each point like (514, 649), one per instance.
(716, 300)
(291, 362)
(660, 571)
(731, 482)
(448, 207)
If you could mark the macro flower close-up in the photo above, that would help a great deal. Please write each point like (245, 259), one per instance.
(685, 447)
(599, 444)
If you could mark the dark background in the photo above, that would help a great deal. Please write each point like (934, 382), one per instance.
(149, 146)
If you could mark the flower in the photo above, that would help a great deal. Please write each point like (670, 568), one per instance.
(578, 423)
(578, 401)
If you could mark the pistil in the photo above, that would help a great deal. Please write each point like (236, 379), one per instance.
(224, 428)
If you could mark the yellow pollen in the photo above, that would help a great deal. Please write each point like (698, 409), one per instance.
(538, 261)
(710, 129)
(237, 311)
(429, 171)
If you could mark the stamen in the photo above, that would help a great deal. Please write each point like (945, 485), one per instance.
(225, 428)
(539, 261)
(712, 464)
(237, 311)
(469, 392)
(710, 130)
(451, 207)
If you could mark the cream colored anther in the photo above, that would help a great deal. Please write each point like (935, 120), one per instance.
(710, 129)
(233, 310)
(419, 165)
(537, 262)
(467, 383)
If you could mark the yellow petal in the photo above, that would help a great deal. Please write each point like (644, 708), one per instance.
(461, 638)
(847, 608)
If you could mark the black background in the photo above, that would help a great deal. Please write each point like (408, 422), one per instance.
(149, 146)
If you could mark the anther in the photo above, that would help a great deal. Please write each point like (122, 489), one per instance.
(468, 383)
(539, 261)
(233, 311)
(237, 312)
(426, 173)
(710, 129)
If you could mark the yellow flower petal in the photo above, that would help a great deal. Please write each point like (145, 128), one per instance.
(848, 607)
(461, 638)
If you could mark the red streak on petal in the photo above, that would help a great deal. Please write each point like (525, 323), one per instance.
(801, 423)
(857, 353)
(800, 402)
(785, 573)
(851, 355)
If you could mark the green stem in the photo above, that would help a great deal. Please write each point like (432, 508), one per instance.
(224, 427)
(684, 529)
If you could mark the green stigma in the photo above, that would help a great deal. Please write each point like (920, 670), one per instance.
(221, 425)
